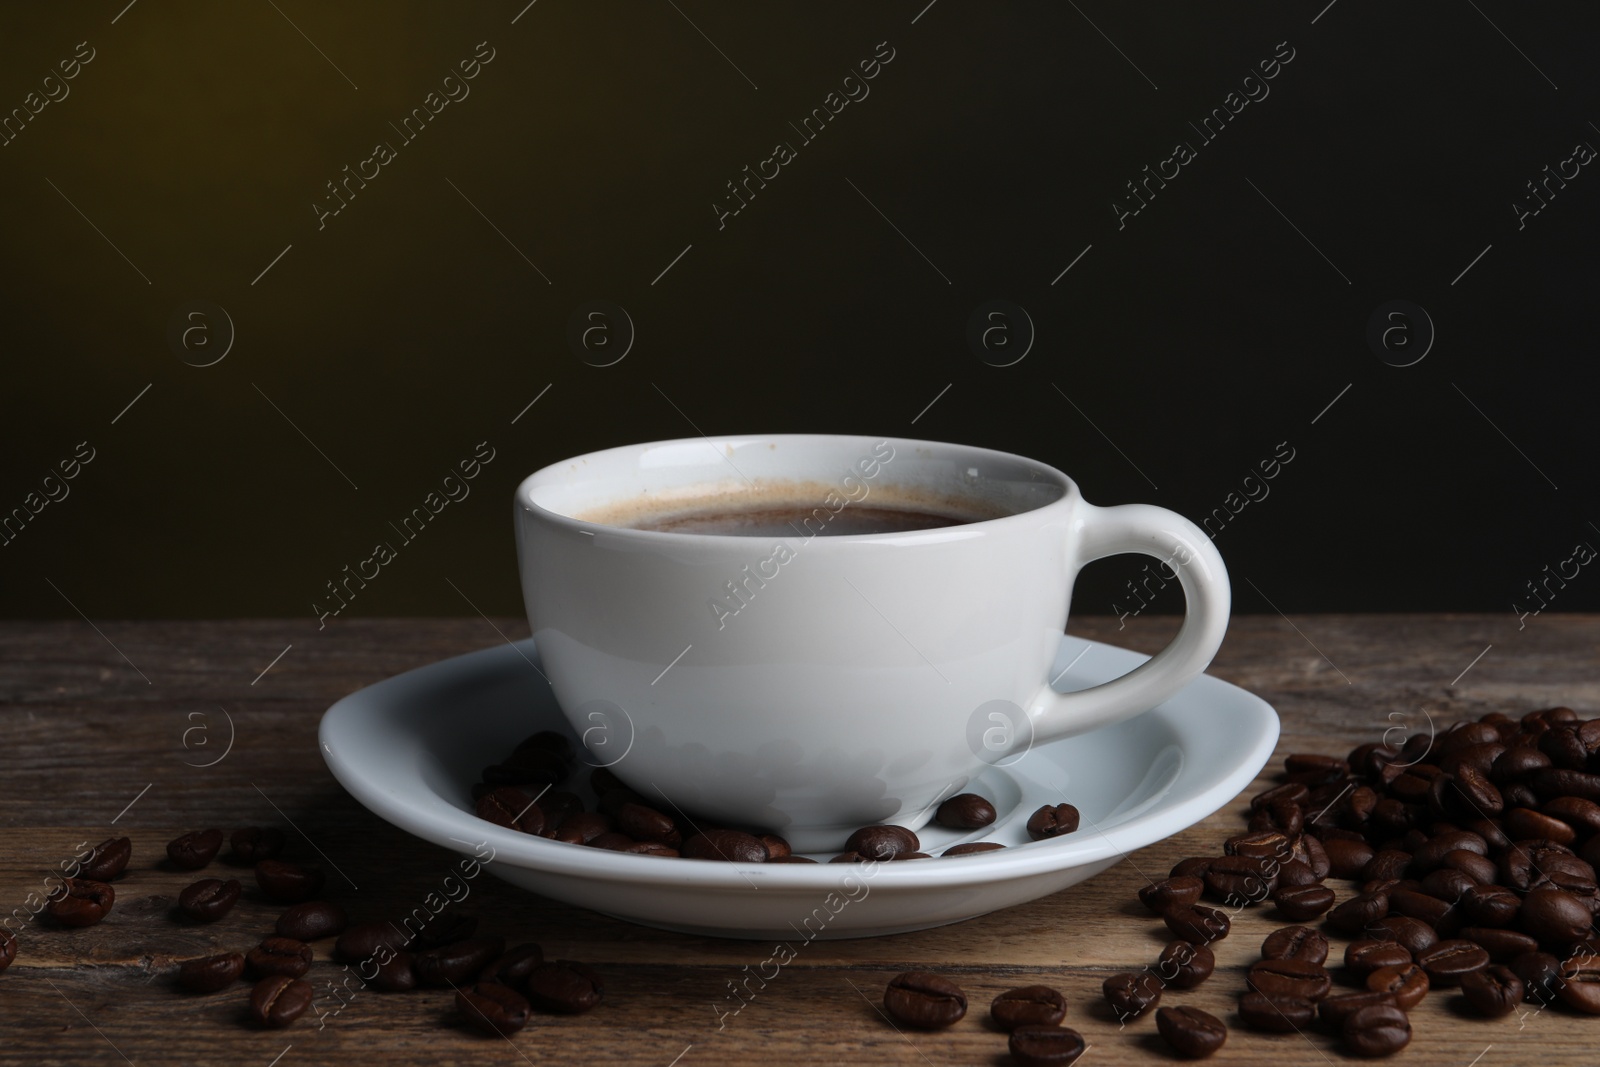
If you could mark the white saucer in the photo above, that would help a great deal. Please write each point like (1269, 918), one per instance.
(409, 749)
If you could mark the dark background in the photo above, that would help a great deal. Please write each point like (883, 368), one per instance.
(1174, 356)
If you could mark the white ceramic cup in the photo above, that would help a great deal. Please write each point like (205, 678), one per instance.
(815, 683)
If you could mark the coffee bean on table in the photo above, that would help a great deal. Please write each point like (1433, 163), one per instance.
(1190, 1031)
(1448, 961)
(1554, 916)
(1493, 991)
(1378, 1030)
(1197, 924)
(252, 844)
(445, 928)
(109, 859)
(393, 972)
(312, 920)
(493, 1008)
(1302, 902)
(1171, 892)
(1335, 1009)
(458, 962)
(1052, 821)
(1131, 994)
(1295, 874)
(1183, 965)
(1276, 1014)
(965, 811)
(1416, 935)
(1190, 867)
(924, 999)
(1347, 859)
(279, 1000)
(1354, 914)
(1418, 905)
(882, 842)
(570, 988)
(733, 846)
(1033, 1005)
(514, 965)
(1241, 879)
(366, 940)
(1045, 1046)
(1580, 984)
(280, 955)
(1386, 863)
(209, 899)
(194, 850)
(1490, 905)
(208, 974)
(1295, 943)
(1363, 957)
(288, 883)
(1408, 984)
(1293, 978)
(1503, 946)
(8, 948)
(79, 902)
(970, 848)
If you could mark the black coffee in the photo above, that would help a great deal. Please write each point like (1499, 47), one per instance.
(798, 520)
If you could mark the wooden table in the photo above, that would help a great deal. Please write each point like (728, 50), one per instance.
(104, 732)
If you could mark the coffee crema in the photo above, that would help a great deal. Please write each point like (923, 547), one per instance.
(797, 520)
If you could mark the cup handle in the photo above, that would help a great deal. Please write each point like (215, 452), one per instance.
(1168, 536)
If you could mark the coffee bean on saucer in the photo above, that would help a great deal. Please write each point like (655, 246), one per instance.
(912, 856)
(1492, 991)
(644, 823)
(925, 1000)
(1276, 1014)
(512, 808)
(882, 842)
(278, 1000)
(1408, 984)
(803, 859)
(1197, 924)
(1052, 821)
(1288, 977)
(455, 963)
(194, 850)
(1302, 902)
(732, 846)
(312, 920)
(656, 848)
(393, 972)
(493, 1008)
(280, 955)
(849, 857)
(208, 974)
(564, 986)
(1295, 943)
(108, 860)
(613, 801)
(252, 844)
(965, 811)
(1580, 984)
(1449, 961)
(1131, 994)
(288, 883)
(1376, 1030)
(778, 849)
(366, 940)
(1169, 893)
(1182, 965)
(1363, 957)
(1192, 1033)
(1045, 1046)
(972, 848)
(582, 827)
(1033, 1005)
(79, 902)
(209, 899)
(558, 806)
(8, 948)
(602, 781)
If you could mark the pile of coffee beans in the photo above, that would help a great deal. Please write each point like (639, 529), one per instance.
(1032, 1015)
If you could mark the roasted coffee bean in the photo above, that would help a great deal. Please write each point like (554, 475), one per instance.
(1418, 905)
(1407, 984)
(1580, 984)
(1540, 973)
(208, 974)
(1580, 814)
(533, 772)
(512, 808)
(312, 921)
(1182, 965)
(1335, 1009)
(1449, 960)
(1295, 943)
(734, 846)
(1378, 1030)
(925, 1000)
(1316, 766)
(849, 857)
(1289, 978)
(1363, 957)
(1197, 924)
(971, 848)
(445, 928)
(965, 811)
(493, 1008)
(570, 988)
(1191, 1032)
(1354, 915)
(1554, 782)
(644, 823)
(1447, 884)
(1564, 747)
(1241, 879)
(80, 902)
(209, 899)
(1033, 1005)
(1554, 916)
(278, 1000)
(1131, 994)
(1302, 902)
(1045, 1046)
(1170, 893)
(602, 781)
(1190, 867)
(549, 741)
(252, 844)
(613, 800)
(288, 883)
(1492, 991)
(1267, 844)
(1292, 793)
(1416, 935)
(1522, 825)
(1052, 821)
(279, 955)
(1490, 905)
(912, 856)
(1386, 863)
(1479, 868)
(583, 827)
(1276, 1014)
(1347, 859)
(558, 806)
(778, 848)
(393, 972)
(366, 940)
(1313, 855)
(1279, 816)
(656, 848)
(194, 850)
(8, 948)
(108, 860)
(1503, 946)
(1296, 874)
(458, 962)
(882, 842)
(1516, 763)
(807, 859)
(514, 965)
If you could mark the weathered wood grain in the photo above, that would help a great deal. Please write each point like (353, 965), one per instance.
(85, 732)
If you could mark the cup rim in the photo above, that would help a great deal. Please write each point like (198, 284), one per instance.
(1069, 493)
